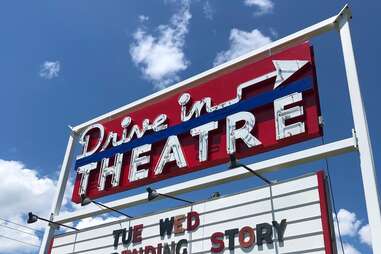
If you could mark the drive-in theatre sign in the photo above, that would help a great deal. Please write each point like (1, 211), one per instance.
(256, 107)
(264, 100)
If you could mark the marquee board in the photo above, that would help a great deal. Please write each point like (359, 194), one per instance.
(253, 108)
(291, 216)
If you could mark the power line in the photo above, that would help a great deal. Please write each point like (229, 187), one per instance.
(333, 200)
(20, 225)
(2, 225)
(10, 238)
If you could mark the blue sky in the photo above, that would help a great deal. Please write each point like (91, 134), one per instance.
(65, 62)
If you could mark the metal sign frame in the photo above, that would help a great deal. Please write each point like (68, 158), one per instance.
(360, 140)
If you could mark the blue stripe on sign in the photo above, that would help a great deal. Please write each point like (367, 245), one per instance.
(249, 104)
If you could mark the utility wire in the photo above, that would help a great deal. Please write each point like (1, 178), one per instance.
(333, 199)
(10, 238)
(20, 225)
(5, 226)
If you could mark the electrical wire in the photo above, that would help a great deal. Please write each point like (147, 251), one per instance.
(103, 208)
(5, 226)
(20, 225)
(333, 199)
(10, 238)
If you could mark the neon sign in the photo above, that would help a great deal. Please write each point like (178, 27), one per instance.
(250, 109)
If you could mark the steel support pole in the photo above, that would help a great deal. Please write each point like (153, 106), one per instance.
(368, 169)
(61, 186)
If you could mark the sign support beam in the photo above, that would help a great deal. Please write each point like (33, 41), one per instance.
(368, 169)
(61, 186)
(270, 165)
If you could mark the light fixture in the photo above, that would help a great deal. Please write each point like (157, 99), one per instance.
(32, 218)
(234, 163)
(152, 194)
(86, 200)
(215, 195)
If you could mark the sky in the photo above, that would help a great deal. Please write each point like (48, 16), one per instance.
(65, 62)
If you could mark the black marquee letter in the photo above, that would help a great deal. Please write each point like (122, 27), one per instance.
(264, 233)
(231, 234)
(280, 228)
(169, 250)
(116, 234)
(166, 226)
(180, 244)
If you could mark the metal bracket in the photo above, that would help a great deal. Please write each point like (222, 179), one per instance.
(344, 15)
(52, 225)
(73, 131)
(355, 139)
(321, 121)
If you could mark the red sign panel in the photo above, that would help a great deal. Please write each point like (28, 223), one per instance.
(250, 109)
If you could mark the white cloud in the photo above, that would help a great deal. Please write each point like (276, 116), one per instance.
(365, 236)
(143, 18)
(263, 6)
(241, 42)
(160, 57)
(348, 222)
(94, 221)
(22, 190)
(350, 229)
(274, 32)
(27, 240)
(349, 225)
(348, 249)
(208, 10)
(50, 70)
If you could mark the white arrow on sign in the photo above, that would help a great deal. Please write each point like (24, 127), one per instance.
(284, 69)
